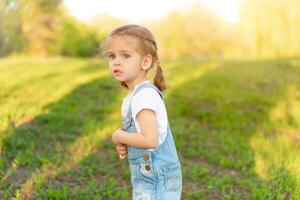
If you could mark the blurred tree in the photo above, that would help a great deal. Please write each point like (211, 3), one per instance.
(11, 38)
(76, 39)
(272, 27)
(197, 32)
(204, 31)
(28, 25)
(39, 23)
(169, 31)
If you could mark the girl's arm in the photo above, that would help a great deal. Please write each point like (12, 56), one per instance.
(147, 138)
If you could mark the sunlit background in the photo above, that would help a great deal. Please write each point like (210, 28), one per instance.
(136, 11)
(193, 28)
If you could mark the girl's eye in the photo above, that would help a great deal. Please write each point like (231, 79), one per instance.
(125, 56)
(111, 56)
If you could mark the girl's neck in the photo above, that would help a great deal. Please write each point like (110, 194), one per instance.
(131, 85)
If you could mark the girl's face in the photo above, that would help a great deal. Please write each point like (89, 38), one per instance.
(125, 62)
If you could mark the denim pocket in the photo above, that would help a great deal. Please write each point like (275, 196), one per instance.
(146, 171)
(172, 176)
(141, 181)
(144, 195)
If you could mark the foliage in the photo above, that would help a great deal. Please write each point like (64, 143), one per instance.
(272, 27)
(76, 39)
(11, 38)
(267, 29)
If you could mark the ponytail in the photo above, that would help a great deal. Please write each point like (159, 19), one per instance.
(123, 84)
(159, 80)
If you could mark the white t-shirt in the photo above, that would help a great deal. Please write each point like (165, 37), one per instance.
(147, 98)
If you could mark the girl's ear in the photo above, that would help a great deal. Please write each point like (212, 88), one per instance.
(147, 61)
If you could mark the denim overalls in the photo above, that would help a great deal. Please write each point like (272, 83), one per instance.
(155, 175)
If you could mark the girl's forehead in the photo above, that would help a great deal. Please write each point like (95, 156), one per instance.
(123, 42)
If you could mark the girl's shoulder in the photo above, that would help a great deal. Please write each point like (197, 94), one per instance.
(147, 90)
(147, 98)
(146, 93)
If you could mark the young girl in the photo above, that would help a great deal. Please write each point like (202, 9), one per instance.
(145, 137)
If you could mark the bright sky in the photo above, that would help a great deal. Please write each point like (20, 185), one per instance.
(138, 10)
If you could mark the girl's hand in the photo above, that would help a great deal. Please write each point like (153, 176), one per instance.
(115, 136)
(122, 150)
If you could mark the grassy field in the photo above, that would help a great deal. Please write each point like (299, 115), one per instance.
(236, 125)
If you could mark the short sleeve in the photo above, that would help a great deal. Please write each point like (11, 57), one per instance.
(147, 98)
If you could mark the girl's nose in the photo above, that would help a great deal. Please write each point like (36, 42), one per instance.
(117, 61)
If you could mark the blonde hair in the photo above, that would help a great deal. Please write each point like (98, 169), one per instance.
(147, 46)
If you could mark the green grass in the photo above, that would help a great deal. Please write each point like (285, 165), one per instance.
(236, 126)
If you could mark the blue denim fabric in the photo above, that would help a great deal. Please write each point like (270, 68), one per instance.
(155, 175)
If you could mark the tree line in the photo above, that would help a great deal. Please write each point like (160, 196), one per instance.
(267, 29)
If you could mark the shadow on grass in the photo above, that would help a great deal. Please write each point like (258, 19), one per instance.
(214, 118)
(48, 141)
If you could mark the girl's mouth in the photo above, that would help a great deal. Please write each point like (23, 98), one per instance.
(117, 72)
